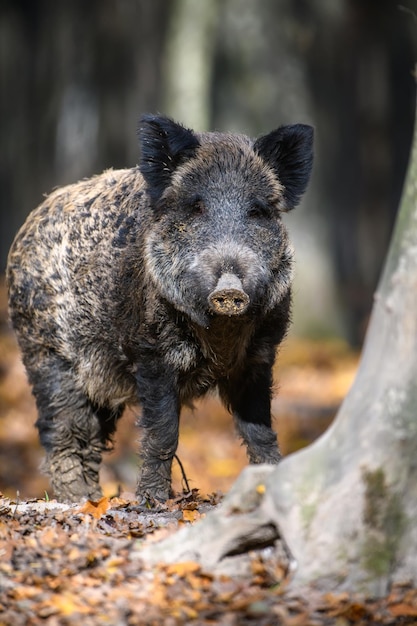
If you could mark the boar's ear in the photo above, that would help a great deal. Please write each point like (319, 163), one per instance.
(289, 151)
(164, 145)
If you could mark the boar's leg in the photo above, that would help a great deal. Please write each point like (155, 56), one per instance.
(160, 423)
(73, 431)
(249, 398)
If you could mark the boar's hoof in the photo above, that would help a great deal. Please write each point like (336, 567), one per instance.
(228, 297)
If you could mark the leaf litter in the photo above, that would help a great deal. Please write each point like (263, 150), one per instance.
(60, 564)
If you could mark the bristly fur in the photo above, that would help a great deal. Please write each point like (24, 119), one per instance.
(110, 283)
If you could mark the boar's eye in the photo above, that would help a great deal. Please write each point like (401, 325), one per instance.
(259, 210)
(195, 206)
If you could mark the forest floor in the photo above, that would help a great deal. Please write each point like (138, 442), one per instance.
(68, 565)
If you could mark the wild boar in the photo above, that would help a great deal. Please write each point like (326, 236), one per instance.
(152, 286)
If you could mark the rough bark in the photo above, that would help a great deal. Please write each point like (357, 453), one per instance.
(345, 506)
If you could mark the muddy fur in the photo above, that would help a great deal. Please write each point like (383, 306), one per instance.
(109, 281)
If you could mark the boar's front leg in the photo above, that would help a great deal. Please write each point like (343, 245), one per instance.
(160, 423)
(249, 398)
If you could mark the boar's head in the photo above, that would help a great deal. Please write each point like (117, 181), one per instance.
(216, 243)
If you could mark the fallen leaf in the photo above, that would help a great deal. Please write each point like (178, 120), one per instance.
(114, 563)
(403, 610)
(96, 509)
(183, 569)
(53, 538)
(66, 604)
(74, 554)
(24, 592)
(6, 551)
(190, 516)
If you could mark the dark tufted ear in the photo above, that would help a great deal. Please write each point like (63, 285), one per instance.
(164, 145)
(289, 151)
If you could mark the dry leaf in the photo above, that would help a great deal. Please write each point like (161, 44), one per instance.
(190, 516)
(6, 551)
(96, 509)
(183, 569)
(24, 592)
(67, 603)
(74, 554)
(403, 610)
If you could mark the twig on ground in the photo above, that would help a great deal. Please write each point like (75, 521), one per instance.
(184, 476)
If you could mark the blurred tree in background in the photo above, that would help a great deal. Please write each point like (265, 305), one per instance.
(75, 76)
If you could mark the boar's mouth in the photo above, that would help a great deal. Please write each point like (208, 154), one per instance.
(228, 297)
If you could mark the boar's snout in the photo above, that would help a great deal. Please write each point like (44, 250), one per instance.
(228, 297)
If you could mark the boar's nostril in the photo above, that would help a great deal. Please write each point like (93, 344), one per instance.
(228, 302)
(228, 297)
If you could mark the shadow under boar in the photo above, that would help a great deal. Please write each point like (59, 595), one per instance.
(153, 285)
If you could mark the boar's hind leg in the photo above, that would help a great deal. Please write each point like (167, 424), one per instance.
(249, 399)
(72, 430)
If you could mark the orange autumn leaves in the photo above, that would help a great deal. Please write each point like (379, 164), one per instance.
(188, 504)
(96, 509)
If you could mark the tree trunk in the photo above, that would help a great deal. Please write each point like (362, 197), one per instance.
(346, 506)
(188, 62)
